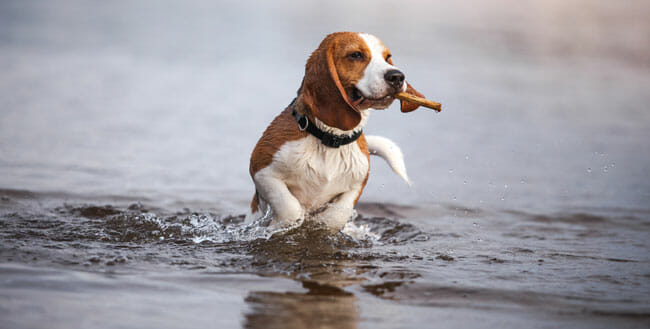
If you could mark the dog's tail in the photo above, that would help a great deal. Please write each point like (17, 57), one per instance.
(388, 150)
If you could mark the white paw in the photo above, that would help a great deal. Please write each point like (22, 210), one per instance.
(335, 216)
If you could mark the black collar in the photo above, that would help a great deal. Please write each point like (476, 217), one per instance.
(326, 138)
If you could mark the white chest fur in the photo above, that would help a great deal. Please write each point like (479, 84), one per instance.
(315, 173)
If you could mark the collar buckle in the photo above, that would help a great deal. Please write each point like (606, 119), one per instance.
(299, 118)
(302, 119)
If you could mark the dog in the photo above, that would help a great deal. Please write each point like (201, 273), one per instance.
(313, 160)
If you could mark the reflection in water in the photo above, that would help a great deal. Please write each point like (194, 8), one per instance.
(323, 306)
(310, 255)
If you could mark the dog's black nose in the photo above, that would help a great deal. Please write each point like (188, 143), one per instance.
(395, 78)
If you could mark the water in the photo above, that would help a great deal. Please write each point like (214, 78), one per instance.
(126, 128)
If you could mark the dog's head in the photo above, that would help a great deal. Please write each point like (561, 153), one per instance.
(348, 73)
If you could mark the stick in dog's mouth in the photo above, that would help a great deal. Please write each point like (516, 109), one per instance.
(419, 100)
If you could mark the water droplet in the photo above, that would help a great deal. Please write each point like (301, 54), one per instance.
(451, 171)
(465, 182)
(505, 186)
(589, 170)
(480, 201)
(522, 181)
(612, 165)
(454, 198)
(605, 169)
(503, 198)
(467, 157)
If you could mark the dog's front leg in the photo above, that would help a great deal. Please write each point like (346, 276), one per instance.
(339, 211)
(286, 208)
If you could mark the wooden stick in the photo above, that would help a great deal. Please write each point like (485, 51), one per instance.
(419, 100)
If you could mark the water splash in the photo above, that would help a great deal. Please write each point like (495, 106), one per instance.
(360, 232)
(137, 224)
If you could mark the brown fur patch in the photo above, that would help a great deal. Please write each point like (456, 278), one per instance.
(349, 70)
(283, 128)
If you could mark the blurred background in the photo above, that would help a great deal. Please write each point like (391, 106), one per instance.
(545, 103)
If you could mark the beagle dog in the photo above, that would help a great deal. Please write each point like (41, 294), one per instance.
(312, 162)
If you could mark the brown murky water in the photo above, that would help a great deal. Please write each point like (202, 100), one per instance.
(125, 131)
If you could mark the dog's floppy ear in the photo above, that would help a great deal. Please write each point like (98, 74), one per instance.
(406, 106)
(322, 90)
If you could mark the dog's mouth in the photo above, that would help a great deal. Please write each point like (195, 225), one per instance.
(359, 101)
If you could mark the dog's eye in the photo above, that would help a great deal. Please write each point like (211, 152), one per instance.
(388, 57)
(356, 55)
